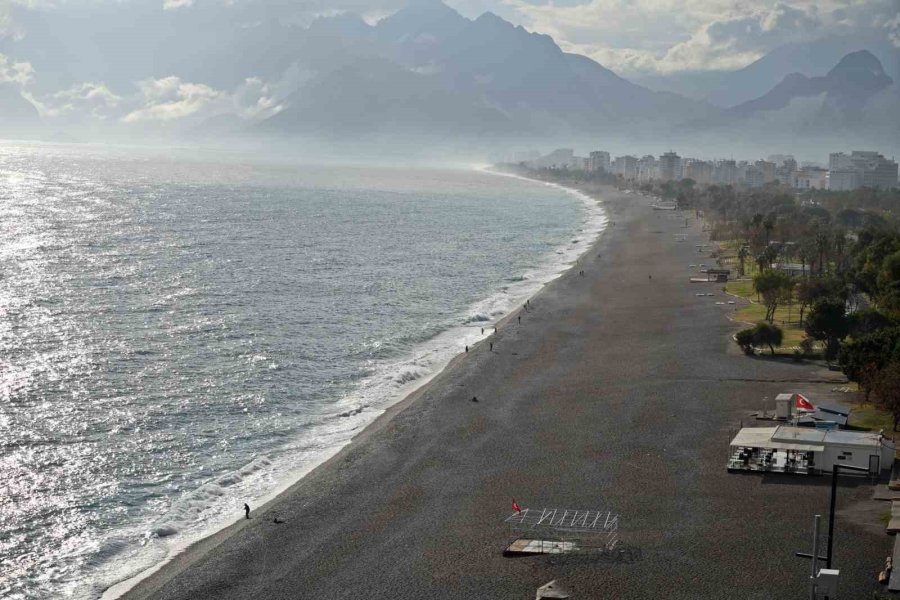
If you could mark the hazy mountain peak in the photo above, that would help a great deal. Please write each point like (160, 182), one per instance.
(431, 17)
(489, 17)
(861, 61)
(849, 85)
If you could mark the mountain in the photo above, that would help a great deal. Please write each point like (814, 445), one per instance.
(428, 70)
(813, 58)
(854, 104)
(847, 87)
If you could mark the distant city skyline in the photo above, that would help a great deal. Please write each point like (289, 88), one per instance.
(842, 171)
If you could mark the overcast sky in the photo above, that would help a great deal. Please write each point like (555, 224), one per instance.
(672, 35)
(626, 35)
(632, 37)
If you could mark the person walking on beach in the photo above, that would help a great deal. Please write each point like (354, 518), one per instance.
(246, 511)
(520, 319)
(492, 346)
(467, 348)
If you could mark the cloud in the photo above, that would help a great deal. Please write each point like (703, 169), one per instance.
(90, 99)
(892, 27)
(169, 99)
(255, 99)
(668, 35)
(20, 73)
(176, 4)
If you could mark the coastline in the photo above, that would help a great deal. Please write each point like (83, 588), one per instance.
(181, 554)
(617, 391)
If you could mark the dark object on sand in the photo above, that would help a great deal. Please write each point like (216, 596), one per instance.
(246, 511)
(474, 399)
(277, 520)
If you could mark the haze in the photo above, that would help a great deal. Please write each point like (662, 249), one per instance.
(469, 78)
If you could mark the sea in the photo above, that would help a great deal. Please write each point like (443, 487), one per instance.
(184, 331)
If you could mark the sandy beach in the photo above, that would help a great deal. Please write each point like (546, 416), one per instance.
(619, 390)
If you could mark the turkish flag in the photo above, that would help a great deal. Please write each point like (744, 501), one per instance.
(803, 404)
(516, 506)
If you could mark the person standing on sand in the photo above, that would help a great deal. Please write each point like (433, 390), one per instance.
(520, 319)
(246, 511)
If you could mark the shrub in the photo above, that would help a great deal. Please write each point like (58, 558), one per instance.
(761, 334)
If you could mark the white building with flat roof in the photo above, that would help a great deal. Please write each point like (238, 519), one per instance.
(809, 178)
(808, 450)
(861, 168)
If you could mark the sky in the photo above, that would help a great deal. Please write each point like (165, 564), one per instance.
(635, 38)
(628, 36)
(668, 36)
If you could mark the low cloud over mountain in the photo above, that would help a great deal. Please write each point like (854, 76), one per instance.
(203, 71)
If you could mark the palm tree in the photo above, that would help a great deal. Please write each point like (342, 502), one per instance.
(769, 224)
(743, 255)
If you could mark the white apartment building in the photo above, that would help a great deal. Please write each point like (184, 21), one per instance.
(670, 167)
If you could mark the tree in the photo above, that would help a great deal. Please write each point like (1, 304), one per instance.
(887, 389)
(806, 294)
(768, 334)
(868, 321)
(743, 255)
(761, 334)
(828, 322)
(768, 225)
(865, 355)
(745, 339)
(770, 285)
(889, 284)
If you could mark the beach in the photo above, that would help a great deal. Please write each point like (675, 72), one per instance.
(619, 390)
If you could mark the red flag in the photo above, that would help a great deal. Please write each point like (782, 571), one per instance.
(803, 404)
(516, 506)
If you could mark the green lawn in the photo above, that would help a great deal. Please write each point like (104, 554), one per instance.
(871, 418)
(786, 317)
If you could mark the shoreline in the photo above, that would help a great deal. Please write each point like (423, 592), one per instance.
(617, 391)
(594, 215)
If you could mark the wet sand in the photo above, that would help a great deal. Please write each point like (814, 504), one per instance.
(617, 392)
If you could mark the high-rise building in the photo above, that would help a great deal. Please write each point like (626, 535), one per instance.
(647, 168)
(626, 166)
(861, 168)
(670, 167)
(754, 177)
(767, 168)
(599, 161)
(700, 171)
(844, 180)
(808, 178)
(726, 172)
